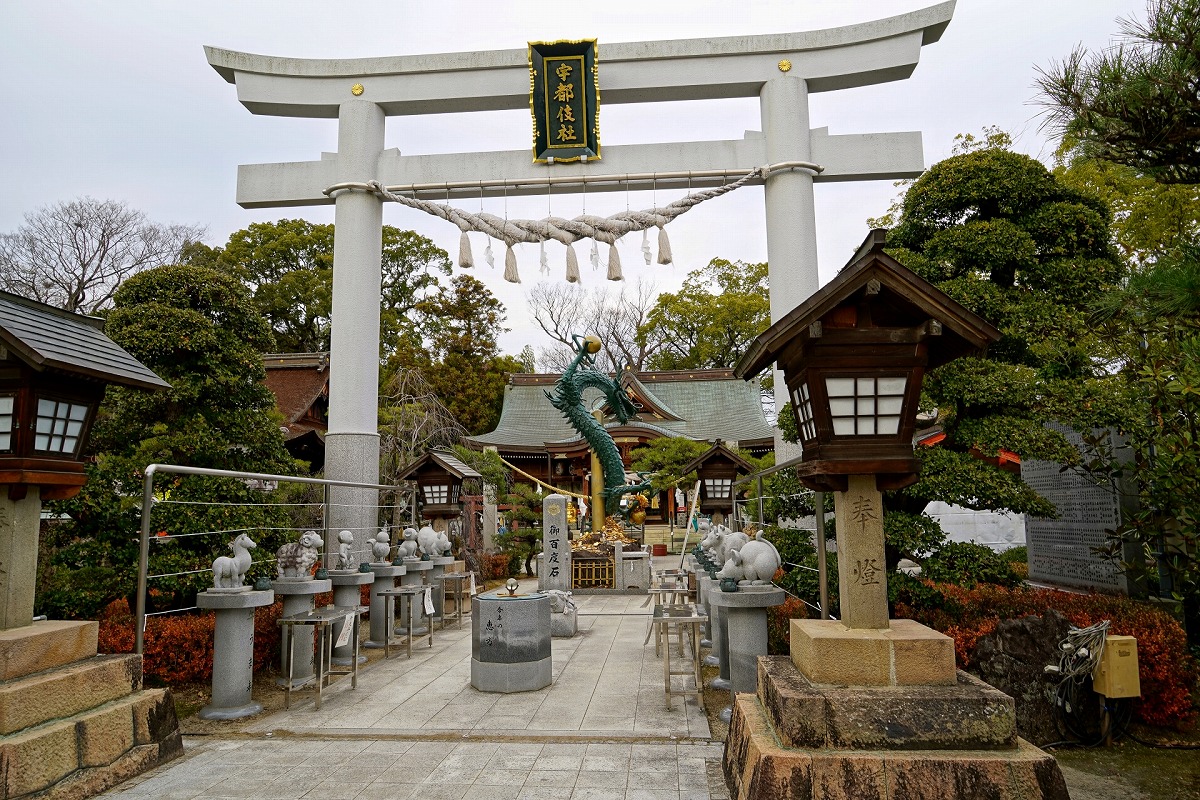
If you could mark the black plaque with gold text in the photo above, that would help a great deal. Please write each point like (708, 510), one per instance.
(564, 96)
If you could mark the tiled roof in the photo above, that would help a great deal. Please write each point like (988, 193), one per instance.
(711, 404)
(50, 338)
(297, 380)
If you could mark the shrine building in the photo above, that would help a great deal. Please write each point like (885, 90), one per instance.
(702, 405)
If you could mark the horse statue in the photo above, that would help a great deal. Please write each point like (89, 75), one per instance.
(229, 572)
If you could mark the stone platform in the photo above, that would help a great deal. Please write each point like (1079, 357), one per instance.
(72, 723)
(797, 740)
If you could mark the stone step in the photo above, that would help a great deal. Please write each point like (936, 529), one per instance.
(758, 767)
(87, 753)
(68, 690)
(45, 645)
(970, 715)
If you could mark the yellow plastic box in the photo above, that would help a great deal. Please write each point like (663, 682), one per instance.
(1117, 673)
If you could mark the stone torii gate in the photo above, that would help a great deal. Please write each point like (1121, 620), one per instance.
(779, 69)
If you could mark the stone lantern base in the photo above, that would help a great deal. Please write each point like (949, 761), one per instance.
(797, 739)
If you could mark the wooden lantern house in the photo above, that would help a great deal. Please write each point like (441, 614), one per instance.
(439, 477)
(717, 469)
(854, 355)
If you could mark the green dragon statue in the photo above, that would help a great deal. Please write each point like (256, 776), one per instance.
(567, 397)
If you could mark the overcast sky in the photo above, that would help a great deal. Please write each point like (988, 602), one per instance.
(115, 100)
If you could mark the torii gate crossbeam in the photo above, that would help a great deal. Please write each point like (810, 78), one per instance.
(780, 69)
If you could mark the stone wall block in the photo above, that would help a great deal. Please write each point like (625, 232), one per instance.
(64, 692)
(45, 645)
(154, 721)
(105, 735)
(34, 760)
(797, 713)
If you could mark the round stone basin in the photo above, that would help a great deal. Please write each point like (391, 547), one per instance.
(510, 642)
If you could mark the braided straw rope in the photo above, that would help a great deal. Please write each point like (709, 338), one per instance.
(566, 231)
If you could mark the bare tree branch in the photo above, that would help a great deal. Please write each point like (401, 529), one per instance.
(75, 254)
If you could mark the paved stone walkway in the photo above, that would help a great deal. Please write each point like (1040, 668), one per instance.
(418, 729)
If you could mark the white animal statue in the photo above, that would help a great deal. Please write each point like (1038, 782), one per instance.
(560, 601)
(756, 562)
(382, 545)
(721, 541)
(295, 559)
(408, 547)
(229, 572)
(345, 539)
(427, 538)
(442, 545)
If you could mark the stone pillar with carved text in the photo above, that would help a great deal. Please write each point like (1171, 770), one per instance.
(556, 549)
(862, 565)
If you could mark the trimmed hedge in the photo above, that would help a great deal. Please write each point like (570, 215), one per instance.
(178, 648)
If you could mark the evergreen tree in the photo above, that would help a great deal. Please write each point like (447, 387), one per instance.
(197, 329)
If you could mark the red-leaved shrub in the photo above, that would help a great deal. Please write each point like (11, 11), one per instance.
(1167, 670)
(178, 648)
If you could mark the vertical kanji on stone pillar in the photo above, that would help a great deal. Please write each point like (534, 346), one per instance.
(556, 550)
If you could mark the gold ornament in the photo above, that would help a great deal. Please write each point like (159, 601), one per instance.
(785, 65)
(553, 508)
(593, 343)
(357, 89)
(637, 517)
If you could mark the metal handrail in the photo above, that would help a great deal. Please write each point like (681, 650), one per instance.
(148, 502)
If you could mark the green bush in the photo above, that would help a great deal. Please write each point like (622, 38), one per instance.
(968, 564)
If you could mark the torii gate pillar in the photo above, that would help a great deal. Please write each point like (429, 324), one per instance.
(352, 443)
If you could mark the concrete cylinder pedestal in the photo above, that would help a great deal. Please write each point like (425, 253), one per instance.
(435, 580)
(510, 642)
(346, 594)
(299, 597)
(415, 576)
(744, 631)
(384, 577)
(233, 650)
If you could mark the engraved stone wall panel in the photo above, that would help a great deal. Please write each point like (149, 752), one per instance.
(1062, 551)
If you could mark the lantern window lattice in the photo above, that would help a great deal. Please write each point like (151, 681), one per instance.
(804, 412)
(436, 493)
(7, 410)
(865, 406)
(718, 488)
(59, 424)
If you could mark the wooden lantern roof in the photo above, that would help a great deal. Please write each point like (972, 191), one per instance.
(48, 339)
(437, 463)
(721, 457)
(899, 301)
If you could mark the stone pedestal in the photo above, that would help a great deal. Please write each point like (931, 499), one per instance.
(510, 642)
(704, 585)
(384, 577)
(745, 631)
(233, 650)
(564, 624)
(905, 654)
(632, 570)
(796, 739)
(346, 594)
(440, 565)
(19, 520)
(299, 597)
(719, 630)
(415, 575)
(74, 724)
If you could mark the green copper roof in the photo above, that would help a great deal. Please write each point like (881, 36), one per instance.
(710, 404)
